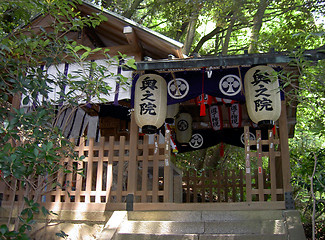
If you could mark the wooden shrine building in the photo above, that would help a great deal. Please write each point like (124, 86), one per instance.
(128, 170)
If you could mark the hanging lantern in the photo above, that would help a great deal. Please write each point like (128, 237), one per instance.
(228, 102)
(150, 102)
(202, 100)
(262, 96)
(172, 111)
(235, 115)
(216, 117)
(183, 128)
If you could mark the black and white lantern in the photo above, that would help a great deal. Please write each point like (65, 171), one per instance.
(262, 95)
(150, 102)
(183, 127)
(172, 111)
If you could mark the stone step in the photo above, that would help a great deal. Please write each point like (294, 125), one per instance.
(204, 225)
(129, 236)
(207, 227)
(197, 216)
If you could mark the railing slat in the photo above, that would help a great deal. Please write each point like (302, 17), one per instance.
(120, 170)
(155, 177)
(144, 181)
(109, 173)
(99, 181)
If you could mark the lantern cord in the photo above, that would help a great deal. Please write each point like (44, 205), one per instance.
(202, 105)
(174, 78)
(222, 149)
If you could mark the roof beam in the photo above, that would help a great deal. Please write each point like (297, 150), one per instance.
(234, 60)
(133, 41)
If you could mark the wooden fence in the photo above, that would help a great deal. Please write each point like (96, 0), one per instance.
(107, 176)
(261, 180)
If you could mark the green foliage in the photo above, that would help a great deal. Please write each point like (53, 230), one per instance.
(32, 144)
(307, 146)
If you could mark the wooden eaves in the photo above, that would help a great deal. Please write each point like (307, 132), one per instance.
(231, 60)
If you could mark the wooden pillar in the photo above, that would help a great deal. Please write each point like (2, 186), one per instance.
(168, 172)
(132, 173)
(285, 156)
(248, 166)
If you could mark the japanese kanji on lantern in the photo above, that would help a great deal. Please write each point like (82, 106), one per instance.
(172, 111)
(262, 95)
(216, 120)
(183, 126)
(150, 102)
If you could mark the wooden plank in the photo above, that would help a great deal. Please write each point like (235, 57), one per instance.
(233, 183)
(155, 182)
(133, 41)
(241, 185)
(260, 166)
(144, 181)
(202, 186)
(272, 165)
(109, 174)
(285, 155)
(248, 165)
(168, 172)
(133, 150)
(99, 181)
(209, 206)
(58, 191)
(194, 187)
(225, 178)
(211, 185)
(79, 166)
(120, 170)
(268, 191)
(89, 170)
(219, 185)
(68, 183)
(188, 192)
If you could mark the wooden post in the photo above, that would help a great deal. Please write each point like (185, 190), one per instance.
(145, 163)
(120, 170)
(272, 165)
(79, 176)
(285, 156)
(168, 173)
(155, 170)
(260, 166)
(132, 173)
(109, 173)
(89, 176)
(248, 166)
(100, 170)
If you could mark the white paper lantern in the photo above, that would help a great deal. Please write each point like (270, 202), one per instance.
(150, 102)
(183, 127)
(262, 95)
(172, 111)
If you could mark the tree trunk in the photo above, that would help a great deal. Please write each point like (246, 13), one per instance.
(257, 21)
(180, 33)
(129, 13)
(206, 38)
(228, 34)
(190, 33)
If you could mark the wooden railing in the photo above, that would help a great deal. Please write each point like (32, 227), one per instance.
(263, 164)
(107, 176)
(213, 186)
(261, 180)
